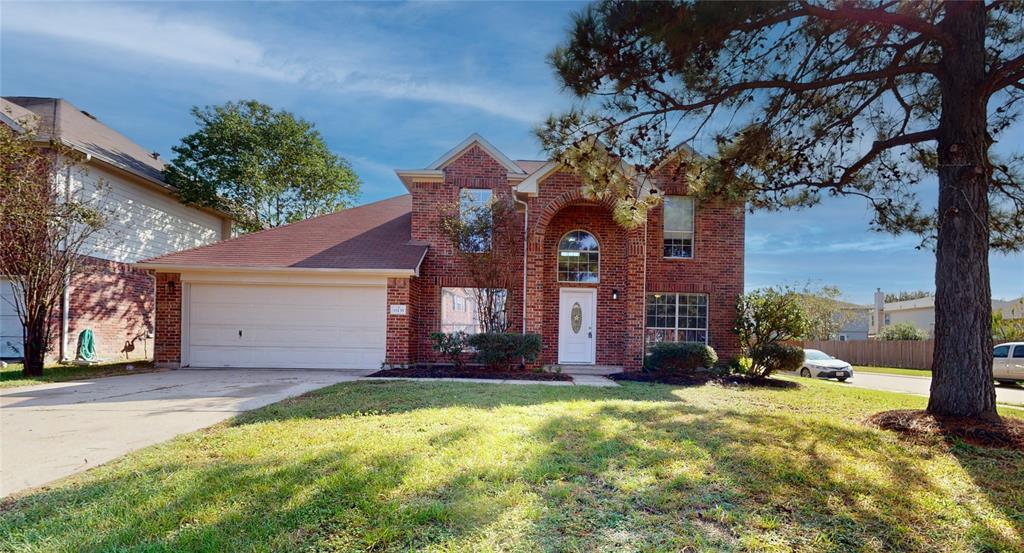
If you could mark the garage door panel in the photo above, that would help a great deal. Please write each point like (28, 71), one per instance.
(287, 326)
(282, 336)
(10, 323)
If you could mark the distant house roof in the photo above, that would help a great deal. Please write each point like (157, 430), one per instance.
(375, 236)
(60, 120)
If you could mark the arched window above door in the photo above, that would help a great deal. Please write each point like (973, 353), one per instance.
(579, 257)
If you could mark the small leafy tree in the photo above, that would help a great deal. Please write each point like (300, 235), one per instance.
(43, 231)
(1006, 329)
(826, 313)
(265, 167)
(482, 237)
(903, 331)
(765, 319)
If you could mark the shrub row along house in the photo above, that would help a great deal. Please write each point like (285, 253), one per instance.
(368, 285)
(146, 219)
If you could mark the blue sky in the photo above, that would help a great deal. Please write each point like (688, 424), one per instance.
(393, 86)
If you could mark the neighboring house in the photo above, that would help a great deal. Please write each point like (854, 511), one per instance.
(858, 323)
(109, 296)
(368, 285)
(920, 312)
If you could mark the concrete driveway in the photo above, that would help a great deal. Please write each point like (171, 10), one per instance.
(54, 430)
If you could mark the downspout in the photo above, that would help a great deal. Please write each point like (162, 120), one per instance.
(526, 249)
(66, 296)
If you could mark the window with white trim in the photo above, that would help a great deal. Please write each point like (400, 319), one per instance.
(677, 318)
(459, 308)
(475, 207)
(579, 257)
(678, 227)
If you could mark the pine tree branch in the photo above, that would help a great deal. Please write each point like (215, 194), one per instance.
(879, 16)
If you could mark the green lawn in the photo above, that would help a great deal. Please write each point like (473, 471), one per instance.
(11, 376)
(893, 370)
(413, 466)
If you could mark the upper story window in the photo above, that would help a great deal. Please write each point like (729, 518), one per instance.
(678, 226)
(579, 257)
(475, 212)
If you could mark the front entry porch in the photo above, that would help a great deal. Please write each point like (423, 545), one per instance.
(592, 370)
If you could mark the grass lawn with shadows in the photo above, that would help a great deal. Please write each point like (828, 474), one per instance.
(400, 466)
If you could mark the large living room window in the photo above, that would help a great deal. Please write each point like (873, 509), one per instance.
(461, 308)
(677, 318)
(579, 257)
(678, 227)
(475, 212)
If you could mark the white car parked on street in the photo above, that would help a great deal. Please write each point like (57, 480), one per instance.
(822, 365)
(1008, 362)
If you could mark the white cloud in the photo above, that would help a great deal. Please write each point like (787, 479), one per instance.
(151, 33)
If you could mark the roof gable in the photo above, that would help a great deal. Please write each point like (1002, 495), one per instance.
(476, 139)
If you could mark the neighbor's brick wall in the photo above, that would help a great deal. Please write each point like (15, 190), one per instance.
(116, 302)
(167, 349)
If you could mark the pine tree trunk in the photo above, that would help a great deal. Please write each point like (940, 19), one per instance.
(962, 368)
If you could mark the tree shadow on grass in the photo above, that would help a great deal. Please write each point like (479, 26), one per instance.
(403, 466)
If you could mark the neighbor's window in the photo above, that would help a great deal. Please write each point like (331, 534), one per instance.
(678, 229)
(475, 212)
(677, 318)
(579, 257)
(459, 308)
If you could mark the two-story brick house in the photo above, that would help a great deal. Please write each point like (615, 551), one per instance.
(368, 285)
(145, 219)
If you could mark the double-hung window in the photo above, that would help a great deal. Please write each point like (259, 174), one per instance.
(475, 213)
(678, 227)
(461, 309)
(677, 318)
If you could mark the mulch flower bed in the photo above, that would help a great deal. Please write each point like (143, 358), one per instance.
(701, 378)
(469, 372)
(1007, 433)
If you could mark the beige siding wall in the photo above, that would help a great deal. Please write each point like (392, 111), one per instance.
(923, 318)
(143, 221)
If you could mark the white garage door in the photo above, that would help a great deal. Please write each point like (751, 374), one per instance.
(314, 327)
(10, 325)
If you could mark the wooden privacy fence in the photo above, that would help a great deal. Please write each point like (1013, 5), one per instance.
(906, 354)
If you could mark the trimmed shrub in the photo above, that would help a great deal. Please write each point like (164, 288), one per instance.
(680, 357)
(501, 350)
(451, 345)
(768, 358)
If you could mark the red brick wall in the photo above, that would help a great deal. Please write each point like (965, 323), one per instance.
(611, 314)
(399, 334)
(167, 350)
(116, 302)
(442, 266)
(716, 269)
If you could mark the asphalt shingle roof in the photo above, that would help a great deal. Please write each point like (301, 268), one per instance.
(373, 236)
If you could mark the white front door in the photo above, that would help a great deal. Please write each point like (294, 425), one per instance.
(577, 325)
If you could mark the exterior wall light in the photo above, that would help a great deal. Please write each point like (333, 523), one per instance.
(615, 293)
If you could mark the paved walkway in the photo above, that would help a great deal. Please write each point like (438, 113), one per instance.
(50, 431)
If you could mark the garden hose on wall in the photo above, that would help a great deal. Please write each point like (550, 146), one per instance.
(86, 346)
